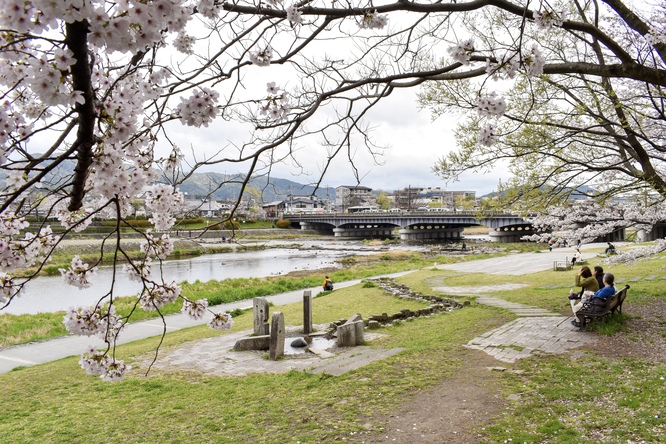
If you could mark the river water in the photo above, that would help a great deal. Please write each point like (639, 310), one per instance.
(50, 293)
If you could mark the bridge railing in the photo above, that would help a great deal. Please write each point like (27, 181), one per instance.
(401, 213)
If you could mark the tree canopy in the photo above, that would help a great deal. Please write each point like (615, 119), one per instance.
(568, 92)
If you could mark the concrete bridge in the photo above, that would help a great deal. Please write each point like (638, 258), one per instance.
(413, 225)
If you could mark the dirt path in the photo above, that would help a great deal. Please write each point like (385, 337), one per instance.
(449, 412)
(454, 410)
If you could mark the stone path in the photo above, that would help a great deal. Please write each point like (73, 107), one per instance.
(514, 307)
(536, 332)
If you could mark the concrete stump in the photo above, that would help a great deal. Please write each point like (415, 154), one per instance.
(347, 335)
(253, 343)
(260, 310)
(359, 326)
(276, 347)
(307, 311)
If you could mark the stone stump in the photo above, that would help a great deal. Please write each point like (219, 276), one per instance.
(307, 312)
(351, 332)
(346, 335)
(260, 310)
(276, 347)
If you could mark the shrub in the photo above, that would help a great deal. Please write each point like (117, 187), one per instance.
(231, 225)
(283, 223)
(193, 221)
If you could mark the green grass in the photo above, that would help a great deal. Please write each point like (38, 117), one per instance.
(559, 399)
(26, 328)
(589, 400)
(57, 402)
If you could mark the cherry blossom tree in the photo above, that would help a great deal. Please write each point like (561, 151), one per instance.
(565, 114)
(110, 86)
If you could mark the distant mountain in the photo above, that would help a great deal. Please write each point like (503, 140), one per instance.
(226, 187)
(220, 186)
(581, 192)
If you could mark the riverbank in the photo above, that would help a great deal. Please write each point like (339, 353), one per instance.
(435, 390)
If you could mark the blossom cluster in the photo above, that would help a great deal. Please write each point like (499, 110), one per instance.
(294, 15)
(139, 271)
(373, 20)
(262, 57)
(507, 67)
(221, 321)
(548, 18)
(15, 180)
(491, 105)
(209, 8)
(276, 105)
(157, 296)
(587, 222)
(73, 220)
(462, 51)
(161, 246)
(78, 274)
(11, 122)
(8, 288)
(100, 363)
(195, 309)
(199, 109)
(21, 253)
(534, 62)
(93, 321)
(163, 200)
(487, 136)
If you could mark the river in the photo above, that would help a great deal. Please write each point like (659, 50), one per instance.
(50, 293)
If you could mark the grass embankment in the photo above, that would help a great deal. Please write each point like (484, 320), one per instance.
(558, 400)
(16, 329)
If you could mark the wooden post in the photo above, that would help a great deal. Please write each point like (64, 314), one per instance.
(276, 347)
(260, 309)
(307, 312)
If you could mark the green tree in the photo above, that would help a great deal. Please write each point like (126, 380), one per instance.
(383, 201)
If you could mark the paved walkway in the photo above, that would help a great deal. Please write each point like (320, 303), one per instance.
(536, 332)
(541, 333)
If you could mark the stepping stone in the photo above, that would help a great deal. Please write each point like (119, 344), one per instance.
(635, 279)
(652, 277)
(619, 281)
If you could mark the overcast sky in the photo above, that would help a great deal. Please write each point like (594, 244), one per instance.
(414, 144)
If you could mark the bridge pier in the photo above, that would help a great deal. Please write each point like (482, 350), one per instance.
(510, 234)
(313, 226)
(420, 233)
(657, 232)
(363, 232)
(616, 236)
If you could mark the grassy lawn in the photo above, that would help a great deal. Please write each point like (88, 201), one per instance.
(556, 399)
(57, 402)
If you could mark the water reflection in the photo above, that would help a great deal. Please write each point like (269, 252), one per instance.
(50, 293)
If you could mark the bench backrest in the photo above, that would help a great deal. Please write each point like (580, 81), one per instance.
(618, 298)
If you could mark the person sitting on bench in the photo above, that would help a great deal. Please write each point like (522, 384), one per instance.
(603, 294)
(586, 281)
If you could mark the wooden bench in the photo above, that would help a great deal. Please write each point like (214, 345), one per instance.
(562, 265)
(613, 304)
